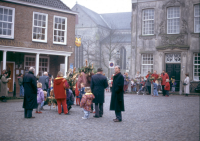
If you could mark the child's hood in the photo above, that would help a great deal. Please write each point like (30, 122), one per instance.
(89, 96)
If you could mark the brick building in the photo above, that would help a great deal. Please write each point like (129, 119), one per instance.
(36, 33)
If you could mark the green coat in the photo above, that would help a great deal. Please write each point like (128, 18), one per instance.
(4, 86)
(20, 81)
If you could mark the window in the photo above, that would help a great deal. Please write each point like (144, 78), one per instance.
(173, 58)
(39, 27)
(148, 22)
(43, 65)
(30, 61)
(147, 63)
(7, 16)
(196, 69)
(123, 58)
(173, 20)
(60, 30)
(197, 18)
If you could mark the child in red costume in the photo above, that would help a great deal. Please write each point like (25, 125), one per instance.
(167, 87)
(60, 84)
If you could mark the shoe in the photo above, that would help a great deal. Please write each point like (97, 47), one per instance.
(114, 119)
(91, 111)
(117, 120)
(67, 113)
(39, 112)
(30, 117)
(100, 116)
(95, 116)
(59, 113)
(166, 96)
(36, 111)
(94, 112)
(84, 118)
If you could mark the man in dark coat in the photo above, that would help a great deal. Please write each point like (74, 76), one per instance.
(30, 93)
(45, 81)
(98, 84)
(117, 97)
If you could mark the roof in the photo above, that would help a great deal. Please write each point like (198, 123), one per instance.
(50, 3)
(94, 16)
(118, 38)
(120, 21)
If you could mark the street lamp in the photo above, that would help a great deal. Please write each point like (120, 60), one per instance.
(118, 56)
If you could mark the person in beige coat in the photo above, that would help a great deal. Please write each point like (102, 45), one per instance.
(4, 87)
(187, 84)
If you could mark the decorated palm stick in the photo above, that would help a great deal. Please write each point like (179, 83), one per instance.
(74, 70)
(86, 63)
(92, 65)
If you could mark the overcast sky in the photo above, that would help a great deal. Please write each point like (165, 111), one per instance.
(102, 6)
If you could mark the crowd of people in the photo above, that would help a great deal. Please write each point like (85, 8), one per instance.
(88, 90)
(37, 89)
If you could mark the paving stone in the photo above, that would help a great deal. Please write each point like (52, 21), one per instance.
(147, 118)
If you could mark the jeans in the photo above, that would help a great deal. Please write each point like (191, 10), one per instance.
(42, 104)
(155, 92)
(48, 92)
(39, 107)
(167, 92)
(28, 113)
(86, 113)
(118, 115)
(21, 91)
(173, 89)
(134, 89)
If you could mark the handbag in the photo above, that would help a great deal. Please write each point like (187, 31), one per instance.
(184, 84)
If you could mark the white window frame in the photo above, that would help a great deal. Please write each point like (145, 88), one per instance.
(65, 36)
(36, 40)
(41, 57)
(196, 17)
(142, 55)
(195, 65)
(13, 23)
(147, 20)
(35, 61)
(174, 18)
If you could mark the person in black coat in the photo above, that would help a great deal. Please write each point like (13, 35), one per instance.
(30, 93)
(117, 97)
(98, 84)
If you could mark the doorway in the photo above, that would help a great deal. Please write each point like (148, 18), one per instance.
(174, 72)
(10, 69)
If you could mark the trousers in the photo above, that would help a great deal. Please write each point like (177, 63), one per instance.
(98, 109)
(118, 115)
(28, 113)
(64, 105)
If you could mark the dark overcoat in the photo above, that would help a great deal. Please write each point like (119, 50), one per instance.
(98, 84)
(117, 97)
(30, 91)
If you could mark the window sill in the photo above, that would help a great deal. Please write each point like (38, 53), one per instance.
(41, 41)
(58, 43)
(7, 37)
(195, 35)
(147, 37)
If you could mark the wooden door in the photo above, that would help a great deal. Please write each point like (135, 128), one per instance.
(174, 72)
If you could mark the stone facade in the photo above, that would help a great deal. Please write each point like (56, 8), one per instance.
(160, 44)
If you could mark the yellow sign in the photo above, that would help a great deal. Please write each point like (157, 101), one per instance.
(78, 42)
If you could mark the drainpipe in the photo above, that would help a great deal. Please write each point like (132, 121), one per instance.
(136, 37)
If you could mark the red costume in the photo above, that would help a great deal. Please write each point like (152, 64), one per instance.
(77, 94)
(155, 75)
(60, 84)
(167, 86)
(147, 76)
(164, 77)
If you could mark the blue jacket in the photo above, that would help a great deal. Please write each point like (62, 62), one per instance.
(155, 86)
(82, 92)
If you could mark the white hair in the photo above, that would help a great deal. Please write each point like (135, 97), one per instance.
(118, 66)
(45, 73)
(31, 69)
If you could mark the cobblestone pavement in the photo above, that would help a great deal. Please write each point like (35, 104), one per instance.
(174, 118)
